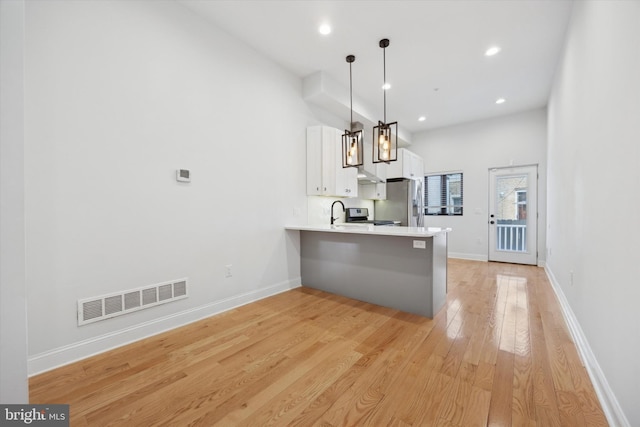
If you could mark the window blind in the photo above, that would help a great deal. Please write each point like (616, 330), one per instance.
(443, 194)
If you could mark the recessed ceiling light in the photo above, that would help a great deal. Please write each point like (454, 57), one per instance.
(324, 29)
(492, 51)
(500, 101)
(386, 86)
(422, 118)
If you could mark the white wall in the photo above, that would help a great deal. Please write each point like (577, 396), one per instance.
(118, 96)
(13, 306)
(593, 197)
(474, 148)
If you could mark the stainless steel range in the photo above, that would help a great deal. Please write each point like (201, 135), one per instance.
(361, 216)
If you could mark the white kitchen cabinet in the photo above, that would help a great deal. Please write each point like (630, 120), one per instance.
(325, 174)
(409, 165)
(314, 162)
(417, 166)
(373, 191)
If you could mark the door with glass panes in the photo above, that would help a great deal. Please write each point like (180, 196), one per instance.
(513, 214)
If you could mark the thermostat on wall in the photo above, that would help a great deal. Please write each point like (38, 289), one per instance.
(183, 175)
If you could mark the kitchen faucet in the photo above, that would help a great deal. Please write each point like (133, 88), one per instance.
(332, 218)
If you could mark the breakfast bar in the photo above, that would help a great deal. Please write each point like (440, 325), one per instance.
(398, 267)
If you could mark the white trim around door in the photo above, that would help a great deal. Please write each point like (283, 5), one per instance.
(513, 214)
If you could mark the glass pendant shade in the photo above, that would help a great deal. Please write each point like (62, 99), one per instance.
(385, 142)
(352, 148)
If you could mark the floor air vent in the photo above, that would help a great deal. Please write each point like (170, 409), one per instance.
(107, 306)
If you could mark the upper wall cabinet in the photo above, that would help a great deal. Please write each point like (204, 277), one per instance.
(373, 191)
(325, 174)
(409, 165)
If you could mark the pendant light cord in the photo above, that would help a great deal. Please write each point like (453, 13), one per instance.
(350, 98)
(384, 78)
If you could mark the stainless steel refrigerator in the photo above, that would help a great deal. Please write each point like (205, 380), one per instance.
(405, 202)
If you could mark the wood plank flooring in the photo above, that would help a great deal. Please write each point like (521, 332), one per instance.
(498, 354)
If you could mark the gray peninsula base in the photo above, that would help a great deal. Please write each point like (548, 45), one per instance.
(379, 269)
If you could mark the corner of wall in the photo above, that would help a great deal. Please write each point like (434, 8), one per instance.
(14, 387)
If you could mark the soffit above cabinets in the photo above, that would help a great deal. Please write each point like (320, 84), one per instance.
(320, 89)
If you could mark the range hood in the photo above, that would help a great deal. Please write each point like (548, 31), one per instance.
(366, 177)
(367, 172)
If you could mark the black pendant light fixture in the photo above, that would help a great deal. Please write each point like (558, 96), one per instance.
(351, 139)
(385, 135)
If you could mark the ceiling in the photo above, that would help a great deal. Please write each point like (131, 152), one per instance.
(436, 61)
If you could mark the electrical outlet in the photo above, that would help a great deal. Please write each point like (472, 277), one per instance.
(419, 244)
(228, 271)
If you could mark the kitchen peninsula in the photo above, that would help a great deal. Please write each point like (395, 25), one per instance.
(399, 267)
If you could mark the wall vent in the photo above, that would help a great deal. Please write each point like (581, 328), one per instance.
(107, 306)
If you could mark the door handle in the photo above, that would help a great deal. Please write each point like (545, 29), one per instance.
(492, 222)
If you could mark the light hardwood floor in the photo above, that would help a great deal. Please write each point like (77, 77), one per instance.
(498, 354)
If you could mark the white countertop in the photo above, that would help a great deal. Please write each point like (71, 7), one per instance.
(373, 229)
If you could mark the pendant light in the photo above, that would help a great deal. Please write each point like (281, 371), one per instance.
(351, 139)
(385, 135)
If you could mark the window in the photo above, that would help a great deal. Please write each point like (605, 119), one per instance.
(521, 204)
(443, 194)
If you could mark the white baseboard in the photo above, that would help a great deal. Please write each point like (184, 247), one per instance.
(470, 257)
(61, 356)
(610, 405)
(478, 257)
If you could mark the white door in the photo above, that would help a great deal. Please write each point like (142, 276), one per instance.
(513, 214)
